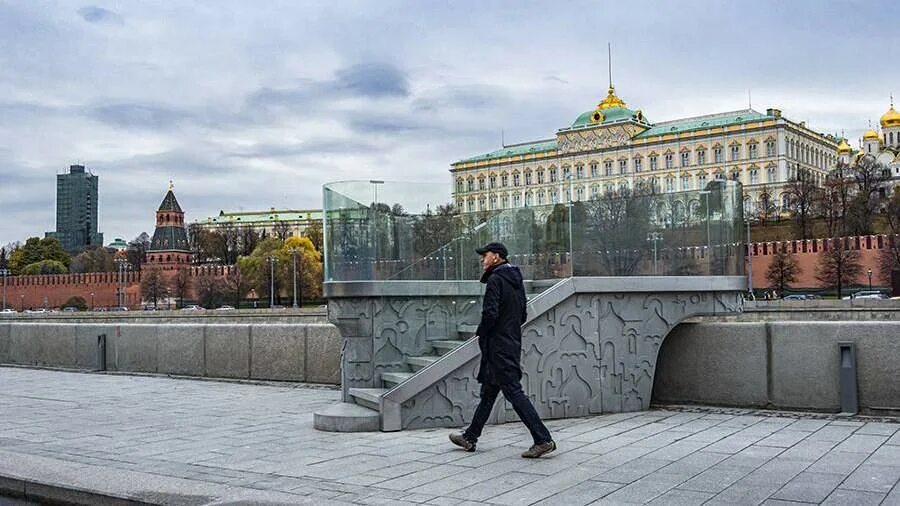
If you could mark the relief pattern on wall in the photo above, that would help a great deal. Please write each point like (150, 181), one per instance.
(590, 354)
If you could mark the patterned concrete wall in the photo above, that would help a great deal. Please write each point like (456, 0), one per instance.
(591, 354)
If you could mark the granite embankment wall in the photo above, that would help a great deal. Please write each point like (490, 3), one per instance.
(259, 351)
(779, 364)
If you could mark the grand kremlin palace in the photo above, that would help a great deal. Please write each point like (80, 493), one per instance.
(612, 147)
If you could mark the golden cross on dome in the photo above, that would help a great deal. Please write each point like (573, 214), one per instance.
(171, 185)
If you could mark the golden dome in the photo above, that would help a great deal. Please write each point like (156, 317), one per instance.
(890, 118)
(871, 135)
(611, 100)
(843, 147)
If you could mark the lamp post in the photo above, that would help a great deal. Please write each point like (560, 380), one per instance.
(272, 259)
(654, 237)
(294, 267)
(571, 245)
(4, 273)
(21, 302)
(749, 264)
(121, 264)
(869, 272)
(92, 301)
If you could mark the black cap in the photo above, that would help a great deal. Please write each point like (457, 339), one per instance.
(494, 247)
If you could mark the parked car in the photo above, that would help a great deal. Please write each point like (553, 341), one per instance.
(225, 308)
(867, 294)
(8, 311)
(192, 307)
(802, 296)
(118, 308)
(39, 310)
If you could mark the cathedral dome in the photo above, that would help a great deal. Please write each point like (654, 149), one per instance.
(891, 118)
(871, 135)
(843, 147)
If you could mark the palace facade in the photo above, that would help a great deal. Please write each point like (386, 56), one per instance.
(884, 146)
(612, 148)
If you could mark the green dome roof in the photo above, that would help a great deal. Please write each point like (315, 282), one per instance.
(610, 115)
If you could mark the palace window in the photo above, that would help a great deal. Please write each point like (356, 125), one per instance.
(554, 196)
(751, 150)
(770, 175)
(493, 202)
(471, 184)
(528, 178)
(504, 202)
(516, 179)
(540, 176)
(481, 183)
(470, 205)
(637, 164)
(459, 186)
(566, 172)
(770, 148)
(685, 158)
(607, 168)
(701, 156)
(504, 180)
(593, 169)
(517, 200)
(481, 204)
(719, 156)
(654, 162)
(579, 171)
(685, 183)
(670, 184)
(553, 176)
(623, 166)
(735, 152)
(608, 188)
(540, 198)
(754, 176)
(579, 193)
(529, 199)
(623, 188)
(595, 191)
(720, 175)
(668, 160)
(493, 181)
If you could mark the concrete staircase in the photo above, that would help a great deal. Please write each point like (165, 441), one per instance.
(364, 413)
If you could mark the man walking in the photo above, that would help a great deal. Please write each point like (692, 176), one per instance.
(500, 339)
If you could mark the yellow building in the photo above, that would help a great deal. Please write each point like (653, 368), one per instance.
(613, 147)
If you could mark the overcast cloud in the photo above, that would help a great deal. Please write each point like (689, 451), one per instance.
(257, 104)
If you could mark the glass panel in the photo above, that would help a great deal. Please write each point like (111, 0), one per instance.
(405, 231)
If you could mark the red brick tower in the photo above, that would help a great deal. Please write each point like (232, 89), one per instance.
(169, 250)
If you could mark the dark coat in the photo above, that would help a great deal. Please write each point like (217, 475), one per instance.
(500, 331)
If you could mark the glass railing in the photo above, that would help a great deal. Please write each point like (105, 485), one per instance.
(402, 231)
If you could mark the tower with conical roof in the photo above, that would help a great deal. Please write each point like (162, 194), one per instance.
(169, 249)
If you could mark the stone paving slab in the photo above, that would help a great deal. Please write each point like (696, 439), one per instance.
(111, 439)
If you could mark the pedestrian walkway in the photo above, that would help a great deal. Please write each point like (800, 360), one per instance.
(176, 441)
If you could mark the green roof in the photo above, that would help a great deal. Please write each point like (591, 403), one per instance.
(703, 122)
(516, 150)
(610, 115)
(270, 216)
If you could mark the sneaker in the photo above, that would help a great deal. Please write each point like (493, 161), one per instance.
(539, 449)
(461, 441)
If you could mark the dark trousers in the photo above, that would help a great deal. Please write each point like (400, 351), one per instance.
(514, 394)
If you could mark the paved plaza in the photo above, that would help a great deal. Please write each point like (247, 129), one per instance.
(177, 441)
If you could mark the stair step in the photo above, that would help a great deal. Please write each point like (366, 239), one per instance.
(467, 329)
(368, 397)
(445, 346)
(418, 363)
(392, 379)
(347, 417)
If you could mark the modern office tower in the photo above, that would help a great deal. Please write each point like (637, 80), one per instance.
(76, 210)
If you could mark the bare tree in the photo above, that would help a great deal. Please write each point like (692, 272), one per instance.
(783, 270)
(766, 211)
(211, 291)
(236, 285)
(868, 177)
(181, 285)
(839, 265)
(230, 242)
(804, 194)
(153, 286)
(137, 250)
(249, 238)
(282, 230)
(314, 233)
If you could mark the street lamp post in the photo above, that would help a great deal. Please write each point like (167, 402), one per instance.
(749, 264)
(708, 245)
(4, 273)
(21, 302)
(120, 289)
(654, 237)
(869, 272)
(272, 261)
(294, 268)
(92, 301)
(571, 245)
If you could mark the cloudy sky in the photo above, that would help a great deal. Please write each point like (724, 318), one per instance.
(256, 104)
